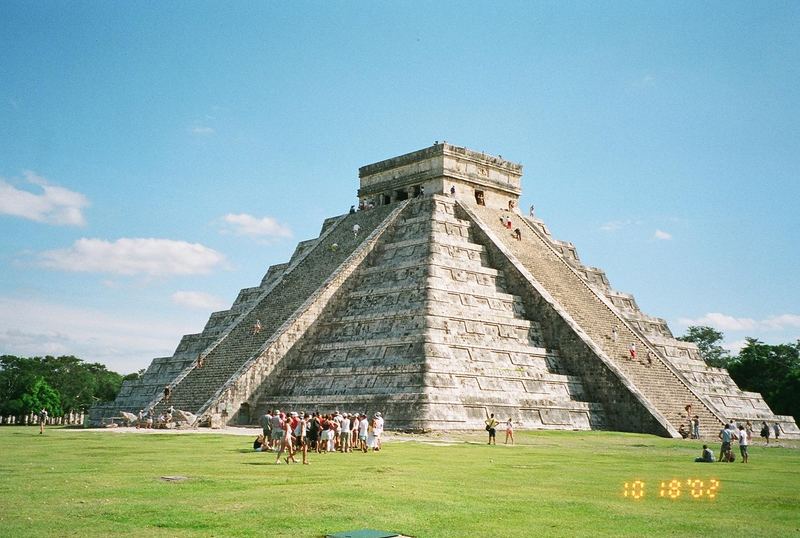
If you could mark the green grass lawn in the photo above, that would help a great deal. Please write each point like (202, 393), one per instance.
(76, 483)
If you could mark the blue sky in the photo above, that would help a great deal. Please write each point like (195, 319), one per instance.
(156, 158)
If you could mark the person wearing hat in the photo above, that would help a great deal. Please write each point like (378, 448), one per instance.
(363, 428)
(277, 428)
(266, 428)
(377, 422)
(344, 433)
(354, 420)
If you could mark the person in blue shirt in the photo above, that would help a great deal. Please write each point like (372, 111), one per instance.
(707, 457)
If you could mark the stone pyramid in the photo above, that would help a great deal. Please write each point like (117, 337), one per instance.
(434, 313)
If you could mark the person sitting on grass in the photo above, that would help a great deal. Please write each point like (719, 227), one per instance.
(683, 431)
(260, 445)
(707, 457)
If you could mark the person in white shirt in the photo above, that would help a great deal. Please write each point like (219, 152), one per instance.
(744, 441)
(363, 426)
(344, 433)
(377, 430)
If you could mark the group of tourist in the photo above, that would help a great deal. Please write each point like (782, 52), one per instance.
(148, 419)
(694, 425)
(508, 224)
(741, 433)
(286, 434)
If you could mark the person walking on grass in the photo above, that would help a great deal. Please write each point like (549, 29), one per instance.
(285, 444)
(509, 431)
(743, 442)
(42, 420)
(301, 433)
(765, 431)
(491, 427)
(378, 432)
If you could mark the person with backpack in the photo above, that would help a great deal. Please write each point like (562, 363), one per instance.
(491, 425)
(765, 431)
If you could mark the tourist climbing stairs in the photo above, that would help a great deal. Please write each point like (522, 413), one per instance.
(280, 302)
(660, 384)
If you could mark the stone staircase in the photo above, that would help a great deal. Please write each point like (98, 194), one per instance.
(714, 385)
(287, 293)
(427, 335)
(661, 385)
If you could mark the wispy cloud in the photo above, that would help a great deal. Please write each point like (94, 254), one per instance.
(197, 300)
(724, 322)
(134, 256)
(31, 328)
(53, 205)
(257, 227)
(662, 235)
(614, 225)
(735, 347)
(648, 80)
(202, 130)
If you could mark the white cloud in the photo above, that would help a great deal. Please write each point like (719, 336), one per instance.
(781, 322)
(724, 322)
(198, 300)
(648, 80)
(734, 347)
(248, 225)
(54, 205)
(134, 256)
(664, 236)
(614, 225)
(202, 130)
(35, 328)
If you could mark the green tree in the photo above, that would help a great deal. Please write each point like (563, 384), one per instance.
(708, 340)
(78, 384)
(40, 395)
(772, 370)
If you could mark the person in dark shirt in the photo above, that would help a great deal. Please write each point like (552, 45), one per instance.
(707, 457)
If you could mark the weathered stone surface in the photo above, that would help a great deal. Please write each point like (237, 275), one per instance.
(436, 315)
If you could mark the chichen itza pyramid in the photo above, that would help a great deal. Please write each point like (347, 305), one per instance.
(435, 314)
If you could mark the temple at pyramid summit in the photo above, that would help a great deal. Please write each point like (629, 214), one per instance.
(436, 303)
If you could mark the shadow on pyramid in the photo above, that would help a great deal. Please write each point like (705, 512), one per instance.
(438, 303)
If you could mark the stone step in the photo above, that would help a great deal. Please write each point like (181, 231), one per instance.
(662, 388)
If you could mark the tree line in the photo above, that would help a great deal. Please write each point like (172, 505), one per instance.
(59, 384)
(66, 383)
(772, 370)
